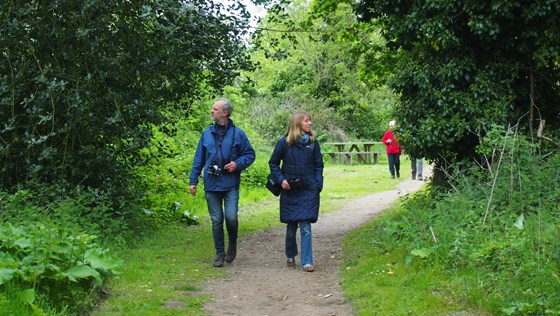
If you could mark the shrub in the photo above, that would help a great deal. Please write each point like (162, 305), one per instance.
(500, 219)
(62, 265)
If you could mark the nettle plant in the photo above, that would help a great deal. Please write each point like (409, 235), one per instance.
(59, 265)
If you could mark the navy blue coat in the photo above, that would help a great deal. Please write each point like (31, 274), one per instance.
(305, 162)
(235, 146)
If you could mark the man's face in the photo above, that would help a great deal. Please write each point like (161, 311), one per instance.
(218, 114)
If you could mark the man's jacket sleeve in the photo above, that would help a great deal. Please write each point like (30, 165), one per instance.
(198, 162)
(246, 153)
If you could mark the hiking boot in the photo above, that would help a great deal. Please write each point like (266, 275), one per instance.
(420, 178)
(414, 178)
(291, 262)
(308, 268)
(392, 177)
(231, 251)
(219, 261)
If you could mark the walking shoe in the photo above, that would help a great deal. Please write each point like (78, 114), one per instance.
(414, 178)
(219, 261)
(392, 177)
(308, 268)
(420, 178)
(231, 251)
(291, 262)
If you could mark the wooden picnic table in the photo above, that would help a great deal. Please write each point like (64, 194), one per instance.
(347, 151)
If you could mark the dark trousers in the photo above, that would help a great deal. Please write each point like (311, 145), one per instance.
(395, 164)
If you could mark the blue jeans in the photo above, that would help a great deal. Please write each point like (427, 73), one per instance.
(306, 242)
(394, 164)
(416, 164)
(229, 200)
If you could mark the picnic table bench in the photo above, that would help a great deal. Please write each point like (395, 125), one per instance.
(351, 152)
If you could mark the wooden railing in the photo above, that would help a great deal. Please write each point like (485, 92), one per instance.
(353, 152)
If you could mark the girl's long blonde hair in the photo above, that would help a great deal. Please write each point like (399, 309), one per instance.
(294, 128)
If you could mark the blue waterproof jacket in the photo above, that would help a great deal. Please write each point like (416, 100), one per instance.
(235, 146)
(305, 162)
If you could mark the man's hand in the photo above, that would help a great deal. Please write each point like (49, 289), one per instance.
(231, 167)
(192, 189)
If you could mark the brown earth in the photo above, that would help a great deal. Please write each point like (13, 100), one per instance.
(259, 283)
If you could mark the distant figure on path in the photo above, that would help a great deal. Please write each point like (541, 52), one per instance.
(223, 151)
(301, 176)
(393, 151)
(416, 165)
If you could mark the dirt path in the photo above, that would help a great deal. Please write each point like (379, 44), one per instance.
(259, 283)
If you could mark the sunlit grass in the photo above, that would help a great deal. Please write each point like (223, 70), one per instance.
(379, 277)
(167, 267)
(378, 282)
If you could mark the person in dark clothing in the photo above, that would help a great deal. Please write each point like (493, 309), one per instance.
(297, 164)
(223, 151)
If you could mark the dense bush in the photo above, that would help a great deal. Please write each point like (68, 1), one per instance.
(90, 211)
(83, 82)
(64, 267)
(49, 253)
(271, 116)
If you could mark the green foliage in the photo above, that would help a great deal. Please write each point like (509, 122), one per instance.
(64, 266)
(317, 72)
(496, 231)
(83, 82)
(83, 209)
(463, 66)
(15, 300)
(377, 282)
(272, 115)
(163, 179)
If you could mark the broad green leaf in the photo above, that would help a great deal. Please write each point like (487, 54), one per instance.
(100, 260)
(28, 295)
(23, 243)
(509, 310)
(6, 274)
(422, 253)
(6, 259)
(82, 272)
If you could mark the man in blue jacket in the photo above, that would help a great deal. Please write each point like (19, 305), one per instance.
(223, 152)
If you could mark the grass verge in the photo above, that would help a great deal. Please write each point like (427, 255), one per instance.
(380, 280)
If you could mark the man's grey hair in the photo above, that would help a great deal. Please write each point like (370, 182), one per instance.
(226, 105)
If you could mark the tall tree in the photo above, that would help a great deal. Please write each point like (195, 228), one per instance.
(83, 82)
(462, 66)
(317, 58)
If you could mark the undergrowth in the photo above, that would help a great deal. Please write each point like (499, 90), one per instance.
(494, 239)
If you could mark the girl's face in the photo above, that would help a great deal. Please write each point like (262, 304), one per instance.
(306, 124)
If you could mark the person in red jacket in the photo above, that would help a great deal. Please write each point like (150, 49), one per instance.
(393, 151)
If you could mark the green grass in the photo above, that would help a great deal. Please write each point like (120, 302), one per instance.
(378, 281)
(173, 263)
